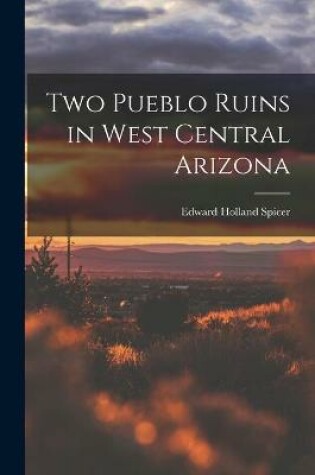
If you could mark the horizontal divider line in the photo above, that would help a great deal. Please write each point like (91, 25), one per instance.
(272, 193)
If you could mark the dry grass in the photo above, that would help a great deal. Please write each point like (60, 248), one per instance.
(257, 312)
(229, 395)
(177, 428)
(119, 355)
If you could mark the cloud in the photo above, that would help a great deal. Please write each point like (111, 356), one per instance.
(74, 13)
(236, 9)
(300, 7)
(162, 49)
(189, 36)
(293, 7)
(299, 41)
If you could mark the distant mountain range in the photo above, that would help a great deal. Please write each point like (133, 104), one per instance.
(184, 260)
(233, 247)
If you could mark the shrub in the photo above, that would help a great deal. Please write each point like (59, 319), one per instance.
(177, 429)
(163, 314)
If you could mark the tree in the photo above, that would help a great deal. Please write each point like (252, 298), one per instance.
(41, 280)
(78, 302)
(44, 288)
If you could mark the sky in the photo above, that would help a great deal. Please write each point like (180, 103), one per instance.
(261, 36)
(182, 36)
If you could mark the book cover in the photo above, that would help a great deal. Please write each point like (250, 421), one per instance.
(170, 237)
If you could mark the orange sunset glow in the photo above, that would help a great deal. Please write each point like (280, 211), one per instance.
(196, 240)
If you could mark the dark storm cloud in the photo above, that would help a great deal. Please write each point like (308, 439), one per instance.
(286, 6)
(76, 13)
(237, 9)
(299, 41)
(293, 7)
(267, 37)
(184, 48)
(244, 11)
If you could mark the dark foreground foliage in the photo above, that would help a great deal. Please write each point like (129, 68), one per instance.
(163, 314)
(227, 393)
(44, 288)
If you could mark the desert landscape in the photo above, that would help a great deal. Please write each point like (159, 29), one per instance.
(160, 359)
